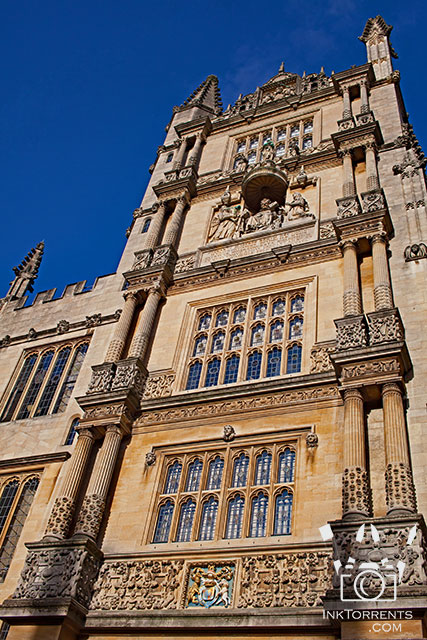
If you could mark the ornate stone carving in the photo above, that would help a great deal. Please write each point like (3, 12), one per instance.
(348, 207)
(209, 585)
(372, 201)
(371, 368)
(117, 314)
(105, 410)
(312, 440)
(159, 386)
(5, 342)
(355, 491)
(93, 321)
(399, 484)
(284, 580)
(319, 360)
(142, 259)
(364, 118)
(60, 517)
(415, 252)
(351, 333)
(133, 584)
(228, 433)
(90, 515)
(129, 374)
(161, 256)
(346, 124)
(32, 334)
(63, 326)
(385, 326)
(150, 458)
(327, 230)
(185, 264)
(102, 377)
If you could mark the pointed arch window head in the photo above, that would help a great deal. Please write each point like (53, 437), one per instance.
(276, 331)
(263, 468)
(231, 369)
(239, 315)
(216, 467)
(71, 378)
(19, 387)
(235, 511)
(193, 476)
(286, 469)
(146, 225)
(205, 322)
(274, 362)
(221, 319)
(169, 157)
(260, 311)
(212, 372)
(253, 144)
(283, 513)
(164, 522)
(218, 342)
(72, 432)
(257, 337)
(281, 135)
(240, 471)
(308, 127)
(252, 158)
(295, 328)
(297, 304)
(241, 146)
(294, 359)
(200, 346)
(294, 132)
(254, 366)
(279, 307)
(236, 339)
(208, 519)
(186, 518)
(173, 478)
(194, 375)
(6, 501)
(258, 524)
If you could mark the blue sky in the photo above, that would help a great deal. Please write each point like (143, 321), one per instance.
(89, 86)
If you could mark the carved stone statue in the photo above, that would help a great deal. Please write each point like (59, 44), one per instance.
(225, 221)
(266, 218)
(268, 152)
(297, 207)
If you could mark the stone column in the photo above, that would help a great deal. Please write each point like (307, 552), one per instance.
(144, 329)
(180, 154)
(155, 229)
(117, 343)
(355, 486)
(63, 509)
(372, 181)
(352, 302)
(346, 113)
(174, 226)
(348, 188)
(382, 287)
(196, 150)
(400, 490)
(364, 100)
(92, 509)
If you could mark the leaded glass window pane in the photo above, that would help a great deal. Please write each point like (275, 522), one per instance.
(146, 225)
(263, 468)
(241, 146)
(253, 143)
(16, 525)
(252, 158)
(274, 361)
(72, 432)
(205, 322)
(266, 138)
(285, 471)
(257, 337)
(194, 375)
(258, 524)
(307, 143)
(231, 369)
(294, 132)
(164, 522)
(283, 514)
(276, 331)
(308, 127)
(6, 501)
(280, 150)
(185, 523)
(240, 471)
(212, 373)
(279, 308)
(254, 366)
(35, 385)
(281, 135)
(216, 467)
(297, 304)
(4, 630)
(173, 477)
(169, 157)
(53, 381)
(236, 339)
(208, 520)
(295, 329)
(18, 389)
(193, 476)
(239, 315)
(294, 359)
(218, 342)
(236, 507)
(260, 311)
(221, 319)
(70, 380)
(200, 346)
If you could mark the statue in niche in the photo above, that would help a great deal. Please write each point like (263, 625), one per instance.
(225, 221)
(296, 208)
(268, 152)
(241, 164)
(268, 217)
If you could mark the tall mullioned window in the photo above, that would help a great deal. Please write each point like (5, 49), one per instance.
(44, 382)
(16, 497)
(247, 340)
(235, 492)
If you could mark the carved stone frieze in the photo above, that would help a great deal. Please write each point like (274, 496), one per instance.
(319, 359)
(284, 580)
(371, 368)
(356, 495)
(138, 584)
(129, 374)
(399, 484)
(142, 259)
(159, 386)
(93, 320)
(385, 326)
(102, 377)
(185, 264)
(60, 517)
(346, 124)
(372, 200)
(351, 333)
(105, 410)
(90, 515)
(348, 207)
(327, 230)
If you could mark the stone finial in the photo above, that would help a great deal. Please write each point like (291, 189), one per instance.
(376, 36)
(207, 96)
(26, 273)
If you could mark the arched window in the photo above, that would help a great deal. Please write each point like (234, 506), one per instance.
(173, 477)
(72, 432)
(240, 471)
(146, 225)
(35, 385)
(193, 476)
(221, 319)
(295, 328)
(280, 150)
(239, 315)
(70, 380)
(252, 157)
(185, 523)
(169, 157)
(274, 361)
(308, 127)
(236, 507)
(276, 331)
(254, 366)
(216, 467)
(257, 335)
(212, 372)
(279, 307)
(295, 132)
(236, 339)
(53, 381)
(164, 521)
(241, 146)
(297, 304)
(294, 359)
(194, 375)
(285, 472)
(266, 138)
(16, 525)
(218, 342)
(260, 311)
(6, 501)
(200, 346)
(231, 369)
(18, 389)
(4, 630)
(205, 322)
(253, 144)
(283, 514)
(258, 524)
(281, 135)
(307, 143)
(208, 519)
(263, 468)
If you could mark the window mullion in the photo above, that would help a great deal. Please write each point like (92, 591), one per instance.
(45, 381)
(177, 509)
(67, 366)
(199, 500)
(271, 506)
(24, 393)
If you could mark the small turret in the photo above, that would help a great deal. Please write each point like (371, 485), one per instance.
(207, 97)
(26, 273)
(380, 52)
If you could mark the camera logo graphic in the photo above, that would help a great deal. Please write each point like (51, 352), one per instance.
(367, 581)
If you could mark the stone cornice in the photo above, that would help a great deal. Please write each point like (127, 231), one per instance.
(35, 461)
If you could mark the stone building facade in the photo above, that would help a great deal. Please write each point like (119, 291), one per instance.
(174, 437)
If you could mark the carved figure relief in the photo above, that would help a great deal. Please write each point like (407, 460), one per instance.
(210, 586)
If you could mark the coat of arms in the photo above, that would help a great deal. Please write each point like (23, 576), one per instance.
(210, 586)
